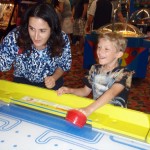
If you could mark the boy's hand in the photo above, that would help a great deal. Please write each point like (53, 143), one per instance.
(85, 111)
(63, 90)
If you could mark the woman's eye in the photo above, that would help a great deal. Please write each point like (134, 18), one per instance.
(31, 28)
(43, 30)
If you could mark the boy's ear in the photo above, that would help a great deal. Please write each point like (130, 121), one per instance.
(120, 54)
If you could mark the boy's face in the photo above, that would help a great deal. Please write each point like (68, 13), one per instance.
(107, 53)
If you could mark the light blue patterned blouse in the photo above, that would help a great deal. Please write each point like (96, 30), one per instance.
(37, 65)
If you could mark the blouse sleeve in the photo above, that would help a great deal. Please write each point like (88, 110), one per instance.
(8, 51)
(66, 58)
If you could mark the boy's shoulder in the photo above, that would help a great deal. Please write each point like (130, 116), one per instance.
(124, 69)
(95, 67)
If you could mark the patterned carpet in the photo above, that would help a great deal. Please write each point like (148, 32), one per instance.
(139, 97)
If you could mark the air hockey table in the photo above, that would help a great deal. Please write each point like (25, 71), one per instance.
(34, 118)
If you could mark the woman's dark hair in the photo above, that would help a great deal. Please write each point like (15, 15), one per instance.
(46, 12)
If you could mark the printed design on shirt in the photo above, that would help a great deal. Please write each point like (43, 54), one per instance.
(101, 81)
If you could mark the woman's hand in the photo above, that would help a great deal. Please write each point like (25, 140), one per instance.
(50, 82)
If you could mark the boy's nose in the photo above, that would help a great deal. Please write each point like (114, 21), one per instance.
(101, 50)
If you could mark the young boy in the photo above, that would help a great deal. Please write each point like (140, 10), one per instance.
(109, 82)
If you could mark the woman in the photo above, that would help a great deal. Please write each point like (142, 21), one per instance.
(38, 50)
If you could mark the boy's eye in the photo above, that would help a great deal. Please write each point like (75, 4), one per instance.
(98, 47)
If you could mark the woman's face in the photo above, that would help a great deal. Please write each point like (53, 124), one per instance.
(39, 32)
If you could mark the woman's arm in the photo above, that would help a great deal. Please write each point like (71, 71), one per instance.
(63, 63)
(50, 81)
(57, 74)
(8, 51)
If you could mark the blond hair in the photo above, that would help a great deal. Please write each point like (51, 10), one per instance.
(117, 39)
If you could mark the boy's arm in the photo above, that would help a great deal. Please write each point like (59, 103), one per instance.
(104, 99)
(83, 92)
